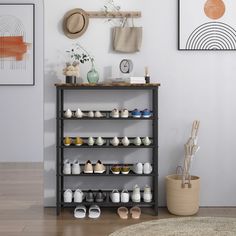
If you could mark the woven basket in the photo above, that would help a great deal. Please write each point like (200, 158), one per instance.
(182, 201)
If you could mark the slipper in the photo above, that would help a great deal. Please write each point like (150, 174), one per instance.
(123, 213)
(94, 212)
(135, 212)
(80, 212)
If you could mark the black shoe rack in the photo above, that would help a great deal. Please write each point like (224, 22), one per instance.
(60, 147)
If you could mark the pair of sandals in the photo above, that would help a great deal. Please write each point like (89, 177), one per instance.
(94, 212)
(123, 212)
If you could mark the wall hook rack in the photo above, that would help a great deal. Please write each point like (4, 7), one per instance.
(114, 14)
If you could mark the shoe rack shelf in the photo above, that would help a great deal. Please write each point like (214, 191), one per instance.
(107, 116)
(60, 147)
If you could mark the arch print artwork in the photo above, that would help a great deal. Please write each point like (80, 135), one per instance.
(17, 66)
(207, 25)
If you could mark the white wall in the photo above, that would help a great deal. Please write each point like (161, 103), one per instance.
(195, 85)
(21, 126)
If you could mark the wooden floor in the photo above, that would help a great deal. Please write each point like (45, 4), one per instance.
(22, 212)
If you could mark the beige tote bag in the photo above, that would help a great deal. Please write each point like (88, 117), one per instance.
(127, 39)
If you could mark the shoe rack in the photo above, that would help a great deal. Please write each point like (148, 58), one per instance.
(61, 89)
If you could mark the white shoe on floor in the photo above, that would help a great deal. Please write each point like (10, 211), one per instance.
(124, 197)
(80, 212)
(76, 170)
(67, 167)
(94, 212)
(147, 194)
(115, 196)
(68, 196)
(147, 168)
(78, 196)
(138, 168)
(136, 195)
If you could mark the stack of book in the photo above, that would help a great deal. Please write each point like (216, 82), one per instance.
(136, 80)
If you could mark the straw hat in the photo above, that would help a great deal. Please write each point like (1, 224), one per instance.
(75, 23)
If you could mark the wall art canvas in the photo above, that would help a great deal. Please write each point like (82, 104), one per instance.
(17, 60)
(207, 25)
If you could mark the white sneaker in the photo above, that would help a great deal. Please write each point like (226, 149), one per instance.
(137, 141)
(79, 113)
(147, 168)
(136, 196)
(115, 141)
(68, 196)
(124, 113)
(76, 168)
(115, 113)
(91, 114)
(67, 167)
(125, 141)
(146, 141)
(91, 141)
(78, 196)
(147, 194)
(124, 197)
(98, 114)
(138, 168)
(68, 113)
(115, 196)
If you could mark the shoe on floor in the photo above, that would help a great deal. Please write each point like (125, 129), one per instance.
(90, 196)
(80, 212)
(135, 212)
(88, 167)
(68, 196)
(67, 167)
(124, 196)
(136, 113)
(115, 196)
(99, 168)
(138, 168)
(115, 113)
(147, 194)
(124, 113)
(98, 114)
(136, 195)
(147, 168)
(78, 196)
(123, 213)
(94, 212)
(100, 196)
(76, 168)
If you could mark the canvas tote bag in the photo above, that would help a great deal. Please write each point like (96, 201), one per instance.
(127, 39)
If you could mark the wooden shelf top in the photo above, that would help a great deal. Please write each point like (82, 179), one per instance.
(107, 85)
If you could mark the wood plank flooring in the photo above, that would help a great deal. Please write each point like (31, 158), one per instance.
(22, 212)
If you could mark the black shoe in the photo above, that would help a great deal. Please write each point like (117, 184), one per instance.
(100, 196)
(89, 196)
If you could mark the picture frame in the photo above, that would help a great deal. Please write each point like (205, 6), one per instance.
(206, 25)
(17, 44)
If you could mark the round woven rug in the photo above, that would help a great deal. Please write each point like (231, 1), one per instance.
(191, 226)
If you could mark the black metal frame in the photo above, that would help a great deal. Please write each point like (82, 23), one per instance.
(61, 148)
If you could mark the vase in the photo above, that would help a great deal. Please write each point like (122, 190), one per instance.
(93, 76)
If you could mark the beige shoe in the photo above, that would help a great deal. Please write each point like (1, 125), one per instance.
(88, 168)
(99, 168)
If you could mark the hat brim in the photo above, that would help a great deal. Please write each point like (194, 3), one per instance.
(85, 26)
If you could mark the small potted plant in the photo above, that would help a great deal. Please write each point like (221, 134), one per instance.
(79, 55)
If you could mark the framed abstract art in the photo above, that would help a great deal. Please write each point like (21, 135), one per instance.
(17, 46)
(207, 25)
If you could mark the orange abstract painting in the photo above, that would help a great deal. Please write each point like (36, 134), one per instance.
(13, 46)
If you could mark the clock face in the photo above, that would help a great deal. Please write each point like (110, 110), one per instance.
(126, 66)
